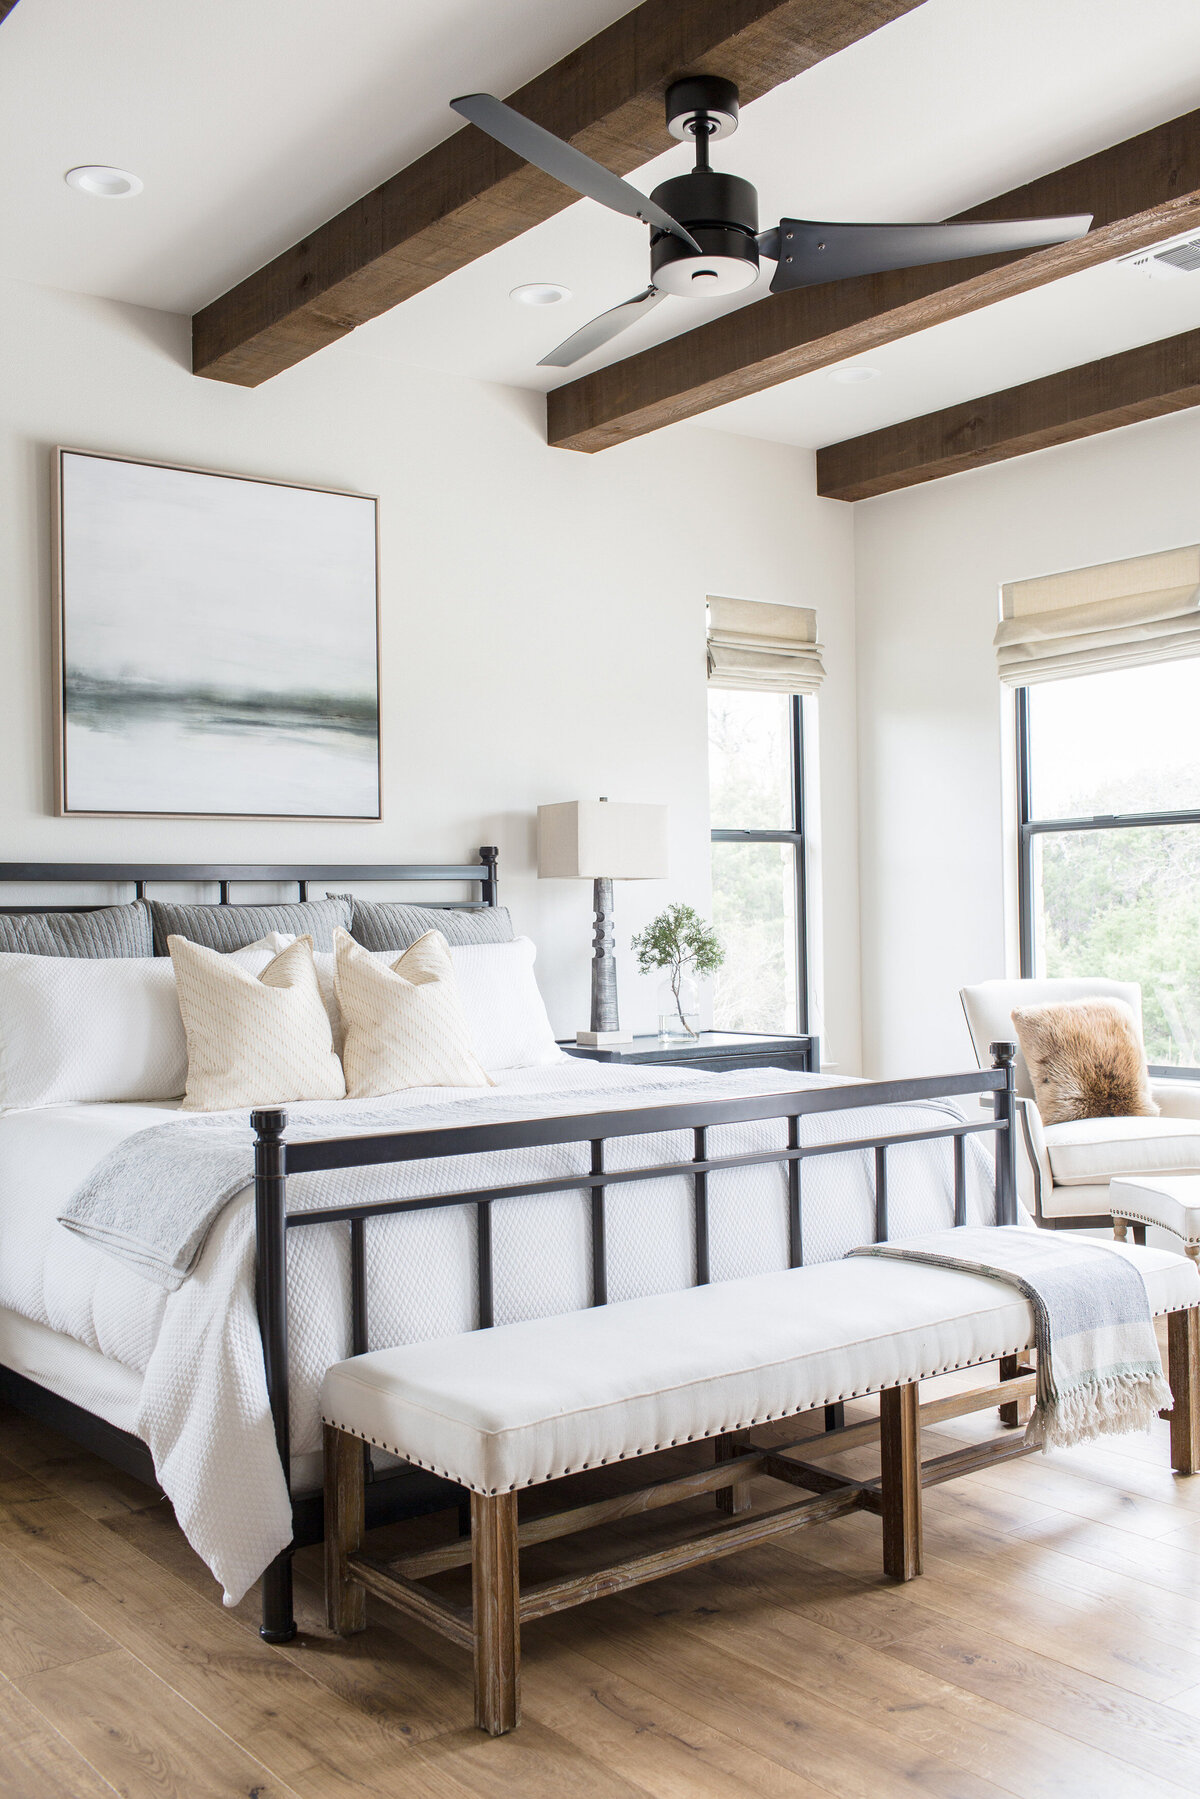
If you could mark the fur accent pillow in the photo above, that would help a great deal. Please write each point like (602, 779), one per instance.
(405, 1025)
(253, 1039)
(1085, 1060)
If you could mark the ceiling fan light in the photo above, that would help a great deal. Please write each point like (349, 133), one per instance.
(703, 277)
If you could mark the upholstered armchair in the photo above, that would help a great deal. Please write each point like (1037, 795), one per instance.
(1064, 1169)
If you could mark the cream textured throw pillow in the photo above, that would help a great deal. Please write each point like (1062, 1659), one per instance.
(253, 1039)
(404, 1024)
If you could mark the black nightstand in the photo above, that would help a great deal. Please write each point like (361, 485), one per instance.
(713, 1049)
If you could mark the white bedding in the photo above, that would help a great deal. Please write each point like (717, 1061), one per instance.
(202, 1406)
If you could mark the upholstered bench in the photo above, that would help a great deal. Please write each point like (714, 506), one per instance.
(512, 1407)
(1169, 1200)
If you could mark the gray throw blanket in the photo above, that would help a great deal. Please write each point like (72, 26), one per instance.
(153, 1199)
(1099, 1371)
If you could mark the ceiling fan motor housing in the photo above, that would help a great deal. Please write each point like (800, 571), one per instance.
(721, 212)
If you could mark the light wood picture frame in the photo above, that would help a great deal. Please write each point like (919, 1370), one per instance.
(216, 644)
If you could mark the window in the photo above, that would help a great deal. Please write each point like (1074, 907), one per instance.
(1109, 810)
(757, 786)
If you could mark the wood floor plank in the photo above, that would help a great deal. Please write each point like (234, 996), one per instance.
(852, 1757)
(866, 1673)
(35, 1761)
(38, 1628)
(124, 1721)
(220, 1666)
(671, 1754)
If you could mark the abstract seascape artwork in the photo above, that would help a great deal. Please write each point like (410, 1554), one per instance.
(217, 644)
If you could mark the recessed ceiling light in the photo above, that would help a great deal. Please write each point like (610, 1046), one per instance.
(540, 293)
(856, 373)
(103, 183)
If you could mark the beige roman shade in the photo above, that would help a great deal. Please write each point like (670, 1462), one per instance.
(1092, 620)
(772, 648)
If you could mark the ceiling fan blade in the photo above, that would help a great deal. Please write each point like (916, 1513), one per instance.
(601, 330)
(810, 253)
(565, 163)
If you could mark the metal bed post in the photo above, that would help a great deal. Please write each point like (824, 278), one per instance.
(270, 1223)
(1003, 1060)
(488, 854)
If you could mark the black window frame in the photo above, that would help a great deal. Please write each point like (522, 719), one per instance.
(797, 839)
(1029, 827)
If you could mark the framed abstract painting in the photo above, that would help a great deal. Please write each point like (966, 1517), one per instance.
(216, 644)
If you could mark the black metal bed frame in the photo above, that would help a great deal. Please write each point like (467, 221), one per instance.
(275, 1160)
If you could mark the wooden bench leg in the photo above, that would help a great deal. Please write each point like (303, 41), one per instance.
(496, 1599)
(345, 1599)
(1021, 1410)
(1183, 1372)
(900, 1446)
(734, 1498)
(1120, 1228)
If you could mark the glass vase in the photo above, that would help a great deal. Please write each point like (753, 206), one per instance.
(678, 1010)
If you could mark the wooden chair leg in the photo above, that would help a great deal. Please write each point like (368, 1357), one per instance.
(496, 1599)
(1120, 1228)
(1183, 1372)
(900, 1446)
(734, 1498)
(345, 1599)
(1021, 1410)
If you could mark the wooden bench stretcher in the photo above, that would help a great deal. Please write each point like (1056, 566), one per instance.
(516, 1406)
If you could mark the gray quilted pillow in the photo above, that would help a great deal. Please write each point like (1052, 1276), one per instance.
(233, 927)
(383, 925)
(102, 935)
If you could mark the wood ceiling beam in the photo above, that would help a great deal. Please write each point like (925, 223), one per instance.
(1140, 192)
(469, 195)
(1145, 383)
(6, 7)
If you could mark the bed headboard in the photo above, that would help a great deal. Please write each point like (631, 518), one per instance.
(224, 875)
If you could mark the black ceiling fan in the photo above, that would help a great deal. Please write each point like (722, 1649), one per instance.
(704, 235)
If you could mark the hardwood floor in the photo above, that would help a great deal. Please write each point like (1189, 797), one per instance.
(1050, 1651)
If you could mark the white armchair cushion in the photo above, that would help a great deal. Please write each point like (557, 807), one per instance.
(1088, 1150)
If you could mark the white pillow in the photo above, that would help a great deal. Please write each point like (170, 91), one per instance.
(403, 1020)
(505, 1011)
(253, 1039)
(76, 1030)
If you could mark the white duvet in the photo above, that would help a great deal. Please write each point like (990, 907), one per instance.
(203, 1407)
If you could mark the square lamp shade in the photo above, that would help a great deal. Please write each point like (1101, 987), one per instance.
(597, 841)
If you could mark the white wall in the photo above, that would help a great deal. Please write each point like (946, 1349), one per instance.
(542, 612)
(933, 849)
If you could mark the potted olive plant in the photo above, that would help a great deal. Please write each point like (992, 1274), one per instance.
(679, 941)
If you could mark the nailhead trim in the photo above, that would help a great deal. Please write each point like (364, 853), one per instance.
(1137, 1218)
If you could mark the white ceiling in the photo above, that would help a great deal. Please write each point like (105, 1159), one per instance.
(250, 121)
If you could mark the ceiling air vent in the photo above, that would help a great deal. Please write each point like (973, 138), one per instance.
(1182, 258)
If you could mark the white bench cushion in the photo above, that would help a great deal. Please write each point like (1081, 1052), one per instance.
(522, 1403)
(1172, 1201)
(1099, 1149)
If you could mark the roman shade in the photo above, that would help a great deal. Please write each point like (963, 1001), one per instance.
(1093, 620)
(769, 648)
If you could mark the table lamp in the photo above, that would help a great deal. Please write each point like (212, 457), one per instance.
(598, 841)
